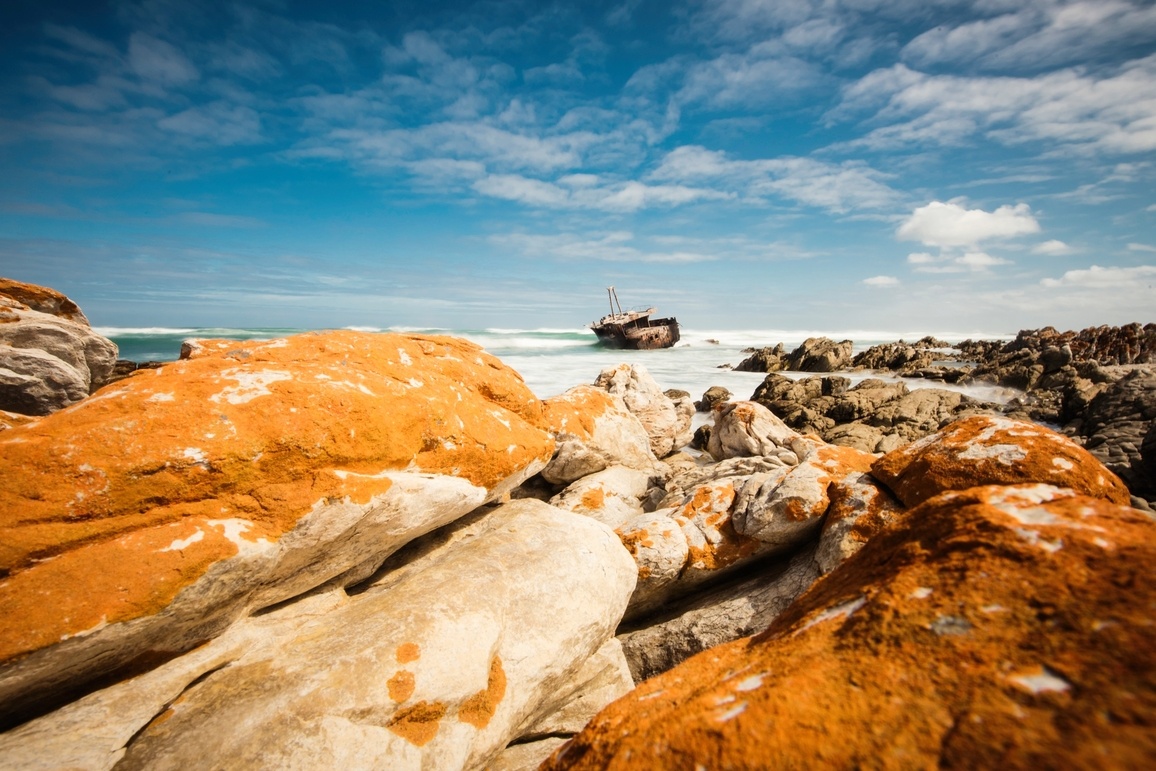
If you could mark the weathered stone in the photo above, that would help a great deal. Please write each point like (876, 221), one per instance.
(610, 496)
(896, 357)
(594, 431)
(991, 450)
(1115, 425)
(821, 354)
(438, 665)
(42, 299)
(150, 516)
(713, 396)
(997, 627)
(764, 360)
(51, 358)
(749, 428)
(667, 425)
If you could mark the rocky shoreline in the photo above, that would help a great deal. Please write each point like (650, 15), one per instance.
(382, 550)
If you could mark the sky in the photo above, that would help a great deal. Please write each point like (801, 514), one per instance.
(926, 165)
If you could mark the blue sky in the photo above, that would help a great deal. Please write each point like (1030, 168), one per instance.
(925, 165)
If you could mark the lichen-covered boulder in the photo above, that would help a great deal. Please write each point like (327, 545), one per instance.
(49, 355)
(440, 663)
(726, 523)
(983, 450)
(143, 520)
(998, 627)
(594, 431)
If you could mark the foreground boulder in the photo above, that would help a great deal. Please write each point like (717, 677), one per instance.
(437, 664)
(998, 627)
(49, 355)
(594, 431)
(145, 519)
(667, 423)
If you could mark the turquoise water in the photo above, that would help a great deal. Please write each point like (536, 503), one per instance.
(553, 360)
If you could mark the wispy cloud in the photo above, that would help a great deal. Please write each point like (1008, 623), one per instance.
(609, 247)
(836, 187)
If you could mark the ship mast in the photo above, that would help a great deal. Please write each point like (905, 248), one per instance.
(613, 300)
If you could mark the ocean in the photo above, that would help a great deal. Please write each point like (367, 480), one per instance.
(554, 360)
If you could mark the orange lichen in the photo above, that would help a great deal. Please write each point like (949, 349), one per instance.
(401, 685)
(407, 652)
(418, 724)
(593, 499)
(576, 411)
(479, 709)
(635, 539)
(983, 450)
(100, 500)
(951, 640)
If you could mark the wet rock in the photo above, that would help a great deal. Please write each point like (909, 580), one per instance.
(712, 397)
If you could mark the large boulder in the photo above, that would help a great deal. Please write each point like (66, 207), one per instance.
(986, 450)
(440, 663)
(667, 424)
(143, 520)
(998, 627)
(743, 429)
(49, 355)
(594, 431)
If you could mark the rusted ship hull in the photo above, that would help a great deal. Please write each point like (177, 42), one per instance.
(639, 334)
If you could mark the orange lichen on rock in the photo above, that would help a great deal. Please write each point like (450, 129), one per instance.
(401, 685)
(407, 652)
(114, 505)
(576, 411)
(42, 299)
(711, 536)
(479, 709)
(593, 499)
(983, 450)
(418, 724)
(999, 627)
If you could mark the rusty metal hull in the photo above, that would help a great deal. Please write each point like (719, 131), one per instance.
(638, 334)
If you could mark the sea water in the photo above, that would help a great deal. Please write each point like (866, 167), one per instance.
(554, 360)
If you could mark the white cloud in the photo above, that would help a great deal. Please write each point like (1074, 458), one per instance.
(921, 258)
(951, 225)
(1141, 248)
(881, 281)
(218, 122)
(980, 260)
(611, 247)
(1097, 277)
(836, 187)
(1052, 247)
(586, 191)
(1072, 108)
(1036, 35)
(155, 60)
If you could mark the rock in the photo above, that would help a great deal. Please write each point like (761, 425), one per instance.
(729, 522)
(816, 354)
(147, 518)
(526, 756)
(748, 428)
(440, 664)
(864, 399)
(821, 354)
(896, 357)
(42, 300)
(997, 627)
(667, 425)
(764, 360)
(1115, 425)
(861, 437)
(983, 450)
(49, 356)
(610, 496)
(711, 397)
(594, 431)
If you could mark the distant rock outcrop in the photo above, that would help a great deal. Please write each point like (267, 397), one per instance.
(49, 355)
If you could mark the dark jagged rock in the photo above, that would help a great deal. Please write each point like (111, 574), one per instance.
(816, 354)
